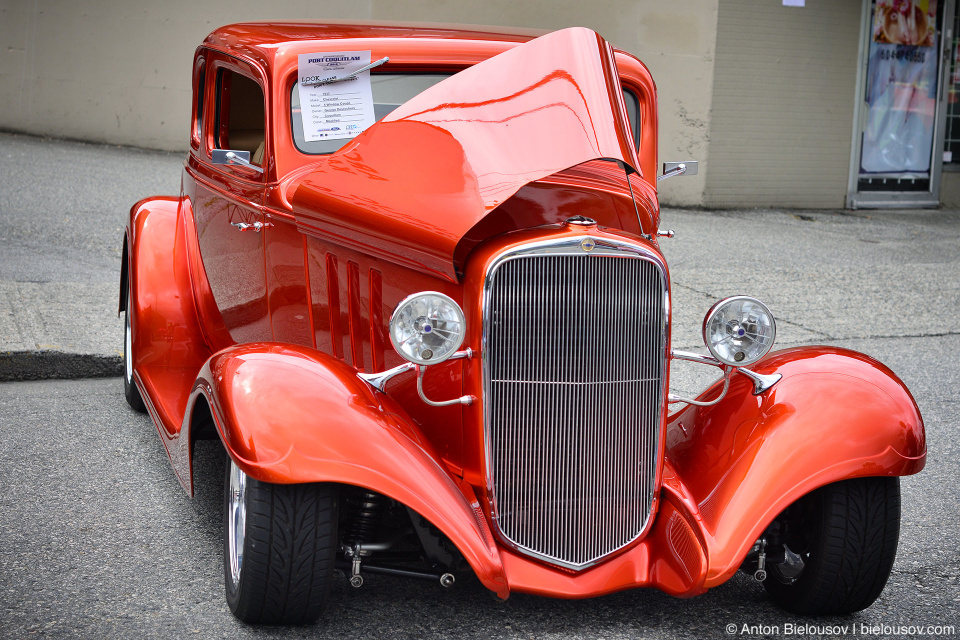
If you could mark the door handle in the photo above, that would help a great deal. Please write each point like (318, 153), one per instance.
(256, 226)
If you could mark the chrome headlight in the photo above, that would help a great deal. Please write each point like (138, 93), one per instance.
(738, 331)
(427, 327)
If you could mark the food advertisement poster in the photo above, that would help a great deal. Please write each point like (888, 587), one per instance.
(901, 88)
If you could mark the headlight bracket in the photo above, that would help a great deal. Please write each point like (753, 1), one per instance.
(761, 382)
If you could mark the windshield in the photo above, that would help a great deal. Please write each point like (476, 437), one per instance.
(390, 90)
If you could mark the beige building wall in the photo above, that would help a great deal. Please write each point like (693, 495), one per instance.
(118, 71)
(950, 189)
(783, 101)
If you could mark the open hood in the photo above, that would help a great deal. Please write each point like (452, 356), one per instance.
(413, 184)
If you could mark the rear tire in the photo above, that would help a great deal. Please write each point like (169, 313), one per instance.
(130, 391)
(279, 547)
(851, 531)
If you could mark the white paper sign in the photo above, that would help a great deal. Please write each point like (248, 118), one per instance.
(794, 3)
(339, 109)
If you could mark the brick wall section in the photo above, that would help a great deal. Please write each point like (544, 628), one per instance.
(783, 100)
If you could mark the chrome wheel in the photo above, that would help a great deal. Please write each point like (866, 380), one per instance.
(236, 521)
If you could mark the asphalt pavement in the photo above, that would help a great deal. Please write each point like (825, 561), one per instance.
(63, 207)
(98, 540)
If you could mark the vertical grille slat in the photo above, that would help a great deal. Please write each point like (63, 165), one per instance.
(573, 366)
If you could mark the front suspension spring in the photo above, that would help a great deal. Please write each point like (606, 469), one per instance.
(365, 518)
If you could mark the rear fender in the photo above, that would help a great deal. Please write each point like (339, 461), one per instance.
(168, 346)
(289, 414)
(835, 415)
(166, 332)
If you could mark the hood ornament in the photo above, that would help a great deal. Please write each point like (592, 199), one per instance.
(581, 221)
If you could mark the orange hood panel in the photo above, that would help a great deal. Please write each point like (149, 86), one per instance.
(412, 185)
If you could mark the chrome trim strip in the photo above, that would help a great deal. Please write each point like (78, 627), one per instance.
(696, 357)
(651, 462)
(761, 382)
(672, 399)
(379, 380)
(440, 403)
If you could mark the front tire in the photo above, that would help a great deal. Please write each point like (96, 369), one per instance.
(847, 538)
(279, 547)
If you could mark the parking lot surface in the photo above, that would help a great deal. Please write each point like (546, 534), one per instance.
(97, 540)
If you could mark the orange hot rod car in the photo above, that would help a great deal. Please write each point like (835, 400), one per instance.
(413, 284)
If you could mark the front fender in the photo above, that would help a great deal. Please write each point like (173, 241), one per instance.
(289, 414)
(835, 415)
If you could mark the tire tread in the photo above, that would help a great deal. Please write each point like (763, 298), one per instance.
(853, 552)
(289, 553)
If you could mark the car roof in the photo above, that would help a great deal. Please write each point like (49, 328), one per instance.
(259, 40)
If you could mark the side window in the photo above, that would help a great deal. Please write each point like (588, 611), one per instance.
(240, 115)
(633, 114)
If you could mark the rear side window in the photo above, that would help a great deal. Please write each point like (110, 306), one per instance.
(633, 115)
(198, 114)
(240, 115)
(390, 90)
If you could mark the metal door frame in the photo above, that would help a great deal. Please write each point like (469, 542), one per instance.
(899, 199)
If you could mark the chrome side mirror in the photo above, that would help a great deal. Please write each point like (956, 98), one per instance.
(232, 156)
(685, 168)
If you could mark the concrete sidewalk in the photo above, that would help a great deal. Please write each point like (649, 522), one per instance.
(829, 277)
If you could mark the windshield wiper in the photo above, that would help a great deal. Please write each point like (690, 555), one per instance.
(351, 76)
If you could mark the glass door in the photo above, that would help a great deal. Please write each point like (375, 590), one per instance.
(951, 143)
(897, 157)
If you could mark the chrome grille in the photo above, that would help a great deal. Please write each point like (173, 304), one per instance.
(574, 353)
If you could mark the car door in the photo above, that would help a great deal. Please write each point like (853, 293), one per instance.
(228, 202)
